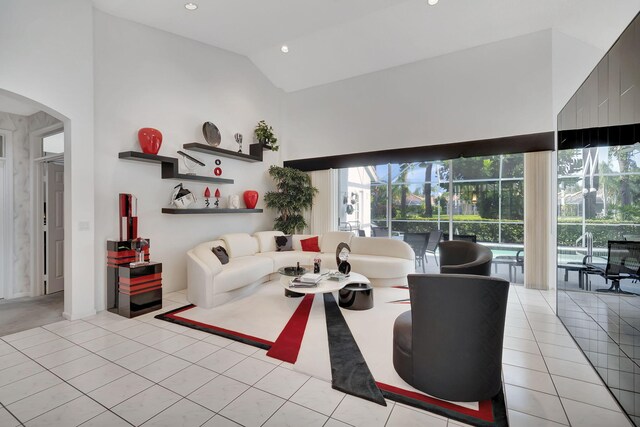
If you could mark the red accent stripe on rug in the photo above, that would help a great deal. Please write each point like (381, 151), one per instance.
(485, 411)
(216, 328)
(287, 345)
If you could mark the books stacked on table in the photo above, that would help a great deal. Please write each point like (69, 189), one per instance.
(307, 280)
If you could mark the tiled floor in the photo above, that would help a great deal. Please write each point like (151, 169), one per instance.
(110, 371)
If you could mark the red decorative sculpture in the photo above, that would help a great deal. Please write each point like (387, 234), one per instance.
(250, 198)
(150, 140)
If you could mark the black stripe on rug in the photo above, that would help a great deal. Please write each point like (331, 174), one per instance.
(349, 371)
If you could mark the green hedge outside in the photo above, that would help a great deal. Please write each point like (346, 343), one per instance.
(484, 231)
(569, 233)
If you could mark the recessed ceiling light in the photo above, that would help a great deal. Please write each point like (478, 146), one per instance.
(432, 2)
(284, 48)
(193, 6)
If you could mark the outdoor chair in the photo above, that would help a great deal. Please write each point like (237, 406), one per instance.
(418, 242)
(623, 262)
(380, 231)
(433, 241)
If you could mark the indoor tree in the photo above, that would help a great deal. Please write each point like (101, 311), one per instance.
(294, 194)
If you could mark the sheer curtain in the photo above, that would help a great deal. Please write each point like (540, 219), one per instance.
(324, 213)
(539, 244)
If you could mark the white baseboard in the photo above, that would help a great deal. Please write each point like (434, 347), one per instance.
(19, 295)
(76, 316)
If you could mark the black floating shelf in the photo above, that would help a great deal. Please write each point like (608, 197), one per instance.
(169, 167)
(255, 151)
(177, 211)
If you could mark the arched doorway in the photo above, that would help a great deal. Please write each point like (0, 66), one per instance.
(32, 213)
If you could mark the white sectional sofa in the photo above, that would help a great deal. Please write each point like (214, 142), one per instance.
(253, 260)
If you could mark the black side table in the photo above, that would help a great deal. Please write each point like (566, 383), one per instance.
(118, 253)
(356, 296)
(139, 289)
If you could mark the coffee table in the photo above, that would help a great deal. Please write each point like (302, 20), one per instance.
(324, 286)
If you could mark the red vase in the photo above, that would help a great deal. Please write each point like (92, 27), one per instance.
(250, 198)
(150, 140)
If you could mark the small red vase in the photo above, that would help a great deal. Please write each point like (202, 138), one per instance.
(250, 199)
(150, 140)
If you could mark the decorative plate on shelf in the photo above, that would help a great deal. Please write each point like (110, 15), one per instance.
(211, 134)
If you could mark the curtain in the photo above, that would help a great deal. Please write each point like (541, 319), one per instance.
(324, 213)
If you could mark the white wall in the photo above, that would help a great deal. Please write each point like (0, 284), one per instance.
(572, 61)
(499, 89)
(47, 50)
(149, 78)
(20, 258)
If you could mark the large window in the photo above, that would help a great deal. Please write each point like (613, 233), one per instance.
(481, 197)
(598, 198)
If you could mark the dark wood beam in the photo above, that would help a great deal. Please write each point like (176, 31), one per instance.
(543, 141)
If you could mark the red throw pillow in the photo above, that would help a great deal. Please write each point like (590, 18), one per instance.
(310, 244)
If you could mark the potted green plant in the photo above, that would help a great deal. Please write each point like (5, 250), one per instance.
(294, 194)
(264, 135)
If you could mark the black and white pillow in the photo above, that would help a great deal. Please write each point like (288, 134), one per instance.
(221, 253)
(284, 243)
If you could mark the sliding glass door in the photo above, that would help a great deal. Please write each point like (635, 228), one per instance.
(479, 198)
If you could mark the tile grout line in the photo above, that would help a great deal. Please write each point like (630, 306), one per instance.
(288, 399)
(11, 413)
(160, 385)
(65, 382)
(109, 361)
(547, 367)
(544, 360)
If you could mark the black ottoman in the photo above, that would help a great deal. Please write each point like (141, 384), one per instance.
(356, 296)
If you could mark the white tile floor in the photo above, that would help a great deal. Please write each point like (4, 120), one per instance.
(109, 371)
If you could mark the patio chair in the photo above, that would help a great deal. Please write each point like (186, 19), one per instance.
(433, 241)
(623, 262)
(512, 262)
(418, 242)
(380, 231)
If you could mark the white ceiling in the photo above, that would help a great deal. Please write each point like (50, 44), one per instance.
(330, 40)
(10, 105)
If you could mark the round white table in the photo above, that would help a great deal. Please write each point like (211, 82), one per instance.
(324, 286)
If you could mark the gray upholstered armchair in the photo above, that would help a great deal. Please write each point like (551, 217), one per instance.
(462, 257)
(450, 344)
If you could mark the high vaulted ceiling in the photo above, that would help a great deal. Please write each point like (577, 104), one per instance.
(331, 40)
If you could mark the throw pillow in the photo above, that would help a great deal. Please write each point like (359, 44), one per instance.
(221, 253)
(284, 243)
(310, 244)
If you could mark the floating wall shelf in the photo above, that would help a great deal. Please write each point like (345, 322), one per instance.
(255, 151)
(169, 167)
(177, 211)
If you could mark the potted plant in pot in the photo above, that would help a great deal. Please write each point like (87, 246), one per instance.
(264, 135)
(294, 194)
